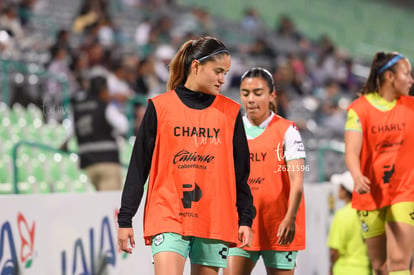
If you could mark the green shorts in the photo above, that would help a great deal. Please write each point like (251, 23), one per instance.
(201, 251)
(373, 221)
(271, 258)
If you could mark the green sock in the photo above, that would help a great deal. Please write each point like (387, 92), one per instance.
(400, 272)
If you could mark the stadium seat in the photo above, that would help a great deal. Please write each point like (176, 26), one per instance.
(25, 187)
(59, 186)
(5, 170)
(54, 169)
(43, 187)
(38, 171)
(78, 186)
(6, 188)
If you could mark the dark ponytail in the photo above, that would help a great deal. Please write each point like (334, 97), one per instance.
(178, 69)
(381, 63)
(204, 49)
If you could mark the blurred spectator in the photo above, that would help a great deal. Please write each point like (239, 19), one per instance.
(146, 83)
(348, 251)
(151, 34)
(206, 23)
(330, 115)
(163, 55)
(325, 66)
(85, 18)
(96, 55)
(260, 47)
(25, 8)
(302, 79)
(96, 126)
(63, 40)
(8, 48)
(349, 81)
(287, 80)
(91, 11)
(196, 21)
(162, 29)
(119, 89)
(10, 21)
(297, 64)
(282, 104)
(131, 3)
(151, 5)
(79, 68)
(142, 32)
(286, 28)
(251, 21)
(56, 93)
(106, 32)
(286, 38)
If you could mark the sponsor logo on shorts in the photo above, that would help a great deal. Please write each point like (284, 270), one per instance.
(223, 253)
(412, 215)
(364, 227)
(159, 239)
(289, 256)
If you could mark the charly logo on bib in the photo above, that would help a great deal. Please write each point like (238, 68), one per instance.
(159, 239)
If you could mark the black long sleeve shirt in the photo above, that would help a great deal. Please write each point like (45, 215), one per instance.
(141, 157)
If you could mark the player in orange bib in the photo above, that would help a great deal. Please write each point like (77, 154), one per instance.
(192, 144)
(379, 154)
(276, 179)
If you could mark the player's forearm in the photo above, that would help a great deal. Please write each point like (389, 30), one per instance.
(296, 187)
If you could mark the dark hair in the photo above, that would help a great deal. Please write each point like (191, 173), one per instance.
(349, 194)
(260, 72)
(380, 64)
(96, 85)
(55, 49)
(61, 33)
(74, 62)
(84, 8)
(204, 49)
(117, 64)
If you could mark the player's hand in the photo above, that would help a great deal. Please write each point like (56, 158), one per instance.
(286, 231)
(245, 236)
(125, 239)
(362, 184)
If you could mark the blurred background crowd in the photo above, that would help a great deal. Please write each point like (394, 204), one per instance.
(50, 49)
